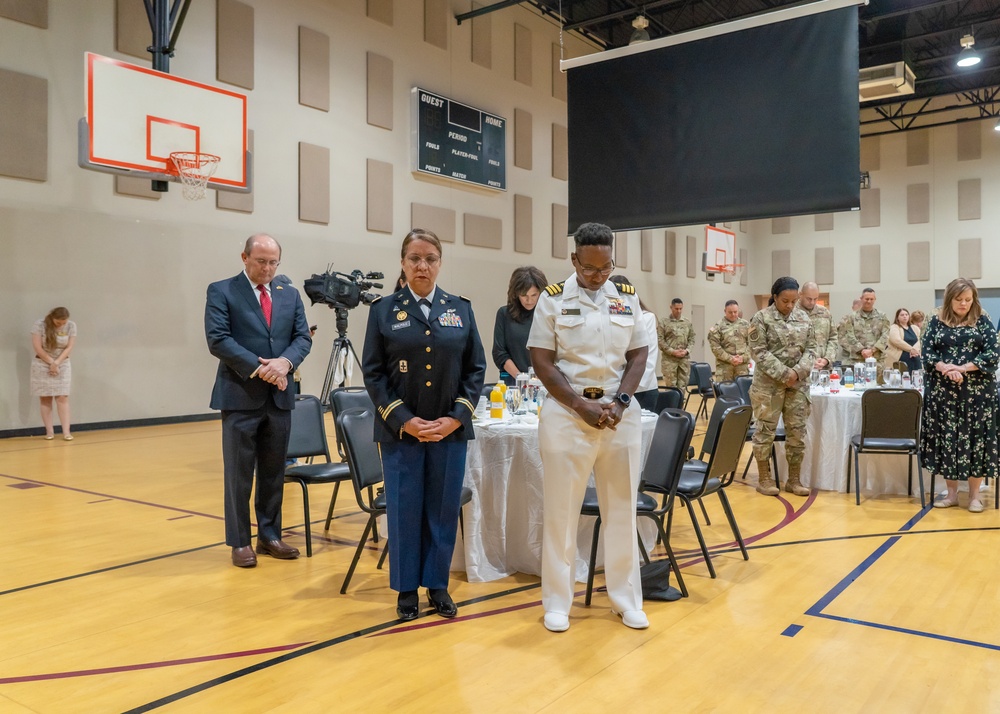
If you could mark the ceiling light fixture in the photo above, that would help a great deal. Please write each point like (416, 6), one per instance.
(997, 127)
(640, 34)
(968, 57)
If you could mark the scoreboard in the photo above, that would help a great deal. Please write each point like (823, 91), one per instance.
(457, 141)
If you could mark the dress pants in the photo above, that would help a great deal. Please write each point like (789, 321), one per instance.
(423, 493)
(570, 450)
(254, 440)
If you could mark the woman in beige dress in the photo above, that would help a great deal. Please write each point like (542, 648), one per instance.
(53, 338)
(904, 342)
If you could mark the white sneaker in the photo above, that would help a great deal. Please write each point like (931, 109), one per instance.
(556, 622)
(636, 619)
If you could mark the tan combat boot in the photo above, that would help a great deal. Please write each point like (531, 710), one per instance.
(793, 485)
(765, 484)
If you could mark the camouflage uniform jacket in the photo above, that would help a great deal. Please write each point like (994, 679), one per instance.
(729, 339)
(780, 343)
(675, 335)
(827, 337)
(866, 330)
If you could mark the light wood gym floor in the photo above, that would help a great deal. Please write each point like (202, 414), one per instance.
(117, 594)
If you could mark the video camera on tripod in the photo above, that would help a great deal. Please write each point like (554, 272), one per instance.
(342, 290)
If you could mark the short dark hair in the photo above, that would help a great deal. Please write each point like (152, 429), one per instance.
(785, 283)
(676, 301)
(732, 302)
(868, 290)
(593, 234)
(522, 280)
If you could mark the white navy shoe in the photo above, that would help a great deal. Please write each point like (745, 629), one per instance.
(556, 622)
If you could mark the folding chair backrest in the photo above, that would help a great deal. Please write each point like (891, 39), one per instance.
(703, 372)
(729, 390)
(308, 432)
(668, 450)
(743, 382)
(358, 426)
(344, 398)
(712, 432)
(732, 434)
(669, 398)
(890, 414)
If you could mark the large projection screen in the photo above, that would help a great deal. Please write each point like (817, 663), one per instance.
(758, 123)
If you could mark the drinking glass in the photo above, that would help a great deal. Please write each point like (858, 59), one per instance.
(813, 377)
(513, 398)
(824, 381)
(907, 383)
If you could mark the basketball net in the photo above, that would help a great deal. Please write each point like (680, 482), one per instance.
(195, 169)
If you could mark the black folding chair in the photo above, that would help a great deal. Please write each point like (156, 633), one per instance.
(704, 389)
(669, 398)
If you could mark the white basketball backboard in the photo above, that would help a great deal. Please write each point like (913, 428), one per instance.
(720, 250)
(136, 117)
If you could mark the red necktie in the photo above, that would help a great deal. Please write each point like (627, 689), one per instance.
(265, 304)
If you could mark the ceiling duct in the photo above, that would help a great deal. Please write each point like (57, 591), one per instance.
(885, 81)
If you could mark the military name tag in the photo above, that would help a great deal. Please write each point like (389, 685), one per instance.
(450, 319)
(400, 325)
(571, 311)
(617, 306)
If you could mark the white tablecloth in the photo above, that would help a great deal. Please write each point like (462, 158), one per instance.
(503, 523)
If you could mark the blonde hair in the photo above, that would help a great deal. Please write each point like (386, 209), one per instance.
(955, 288)
(49, 342)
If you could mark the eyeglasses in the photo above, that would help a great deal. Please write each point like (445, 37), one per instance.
(592, 272)
(431, 261)
(269, 263)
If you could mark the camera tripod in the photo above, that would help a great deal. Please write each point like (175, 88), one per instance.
(342, 351)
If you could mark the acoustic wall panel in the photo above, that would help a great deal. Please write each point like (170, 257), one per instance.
(522, 139)
(379, 196)
(693, 256)
(523, 227)
(670, 253)
(440, 221)
(483, 231)
(744, 275)
(234, 48)
(823, 222)
(558, 76)
(918, 203)
(482, 39)
(970, 141)
(132, 33)
(522, 54)
(30, 12)
(871, 153)
(781, 226)
(379, 91)
(314, 183)
(918, 147)
(380, 10)
(24, 126)
(970, 258)
(824, 266)
(232, 201)
(646, 251)
(918, 261)
(621, 249)
(314, 69)
(560, 153)
(136, 187)
(871, 208)
(727, 278)
(560, 231)
(781, 264)
(436, 23)
(970, 199)
(871, 264)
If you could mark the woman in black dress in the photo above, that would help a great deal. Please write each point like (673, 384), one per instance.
(958, 433)
(513, 323)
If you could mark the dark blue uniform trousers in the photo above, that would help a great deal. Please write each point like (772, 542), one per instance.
(255, 440)
(423, 490)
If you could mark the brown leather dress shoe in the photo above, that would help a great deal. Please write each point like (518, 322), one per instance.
(276, 549)
(243, 557)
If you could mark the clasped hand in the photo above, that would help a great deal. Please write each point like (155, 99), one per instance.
(436, 430)
(274, 371)
(954, 372)
(601, 416)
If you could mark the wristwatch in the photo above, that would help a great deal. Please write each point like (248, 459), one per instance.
(624, 399)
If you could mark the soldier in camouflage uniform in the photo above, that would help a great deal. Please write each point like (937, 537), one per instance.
(843, 354)
(827, 342)
(783, 346)
(867, 332)
(675, 335)
(728, 340)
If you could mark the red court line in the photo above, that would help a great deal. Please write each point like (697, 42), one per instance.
(150, 665)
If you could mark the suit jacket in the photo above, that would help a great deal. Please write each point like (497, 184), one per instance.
(425, 367)
(237, 334)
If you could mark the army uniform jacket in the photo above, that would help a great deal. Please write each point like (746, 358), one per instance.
(729, 339)
(827, 339)
(675, 334)
(422, 367)
(779, 343)
(866, 330)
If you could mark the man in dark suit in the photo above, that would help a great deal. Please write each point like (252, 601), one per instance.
(256, 326)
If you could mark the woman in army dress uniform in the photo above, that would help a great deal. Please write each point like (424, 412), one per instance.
(423, 365)
(783, 346)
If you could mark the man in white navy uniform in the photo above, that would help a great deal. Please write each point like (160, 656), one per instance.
(589, 349)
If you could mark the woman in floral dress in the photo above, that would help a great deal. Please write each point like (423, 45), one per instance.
(958, 433)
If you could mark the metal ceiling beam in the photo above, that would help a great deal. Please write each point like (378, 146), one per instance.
(909, 11)
(486, 10)
(621, 13)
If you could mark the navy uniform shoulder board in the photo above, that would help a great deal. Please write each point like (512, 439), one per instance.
(376, 300)
(465, 298)
(555, 288)
(625, 289)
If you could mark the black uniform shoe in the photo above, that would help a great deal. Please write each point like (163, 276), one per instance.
(408, 605)
(441, 601)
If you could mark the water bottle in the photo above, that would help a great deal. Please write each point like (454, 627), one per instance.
(849, 379)
(534, 387)
(871, 372)
(860, 377)
(834, 381)
(906, 380)
(496, 402)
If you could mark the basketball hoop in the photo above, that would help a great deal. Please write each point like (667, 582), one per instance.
(730, 268)
(195, 169)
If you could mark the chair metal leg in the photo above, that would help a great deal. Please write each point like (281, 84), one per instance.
(593, 561)
(306, 523)
(732, 522)
(704, 512)
(670, 553)
(333, 501)
(642, 547)
(371, 502)
(701, 538)
(774, 460)
(746, 468)
(850, 450)
(385, 552)
(461, 523)
(357, 553)
(857, 479)
(920, 477)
